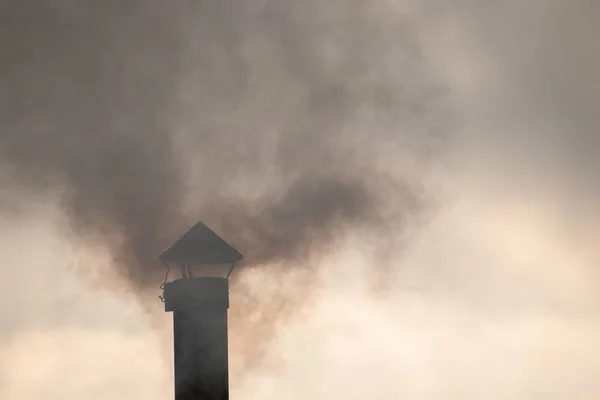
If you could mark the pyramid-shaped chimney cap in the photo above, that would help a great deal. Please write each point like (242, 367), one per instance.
(200, 245)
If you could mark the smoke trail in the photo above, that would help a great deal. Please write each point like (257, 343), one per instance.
(132, 110)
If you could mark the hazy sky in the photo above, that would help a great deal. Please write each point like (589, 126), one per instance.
(416, 181)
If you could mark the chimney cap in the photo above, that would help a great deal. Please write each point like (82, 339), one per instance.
(200, 245)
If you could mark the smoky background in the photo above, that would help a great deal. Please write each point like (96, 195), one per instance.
(407, 179)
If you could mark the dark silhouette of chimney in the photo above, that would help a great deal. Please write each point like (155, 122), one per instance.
(199, 302)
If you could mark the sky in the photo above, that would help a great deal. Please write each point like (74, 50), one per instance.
(414, 184)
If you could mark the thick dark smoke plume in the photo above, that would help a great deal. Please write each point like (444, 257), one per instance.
(272, 120)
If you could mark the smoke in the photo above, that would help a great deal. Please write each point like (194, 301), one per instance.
(142, 117)
(83, 114)
(282, 123)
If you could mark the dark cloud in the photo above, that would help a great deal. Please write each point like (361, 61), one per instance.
(130, 108)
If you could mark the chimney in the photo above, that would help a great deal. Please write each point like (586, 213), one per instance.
(199, 301)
